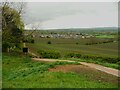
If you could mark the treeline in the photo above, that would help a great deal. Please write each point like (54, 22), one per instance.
(102, 42)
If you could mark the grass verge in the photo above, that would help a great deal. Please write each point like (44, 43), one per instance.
(111, 65)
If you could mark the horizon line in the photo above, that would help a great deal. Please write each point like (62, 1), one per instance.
(74, 28)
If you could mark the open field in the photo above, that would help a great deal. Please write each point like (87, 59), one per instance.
(20, 72)
(65, 46)
(105, 36)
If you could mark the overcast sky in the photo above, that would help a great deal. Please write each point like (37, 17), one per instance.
(49, 15)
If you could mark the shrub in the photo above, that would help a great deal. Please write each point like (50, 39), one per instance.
(77, 43)
(5, 47)
(49, 54)
(70, 55)
(32, 41)
(49, 42)
(18, 45)
(93, 57)
(73, 55)
(77, 55)
(110, 60)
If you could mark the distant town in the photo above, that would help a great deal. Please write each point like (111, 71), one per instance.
(67, 35)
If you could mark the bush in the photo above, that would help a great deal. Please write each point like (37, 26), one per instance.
(5, 47)
(29, 40)
(49, 42)
(77, 43)
(77, 55)
(19, 45)
(93, 57)
(49, 54)
(32, 41)
(73, 55)
(110, 60)
(70, 55)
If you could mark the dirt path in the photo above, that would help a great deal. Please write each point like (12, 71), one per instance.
(50, 60)
(112, 71)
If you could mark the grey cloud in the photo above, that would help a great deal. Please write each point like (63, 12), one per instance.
(45, 11)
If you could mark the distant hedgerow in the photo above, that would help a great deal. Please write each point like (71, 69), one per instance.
(93, 57)
(73, 55)
(49, 54)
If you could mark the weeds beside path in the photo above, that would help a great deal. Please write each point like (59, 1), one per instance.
(112, 71)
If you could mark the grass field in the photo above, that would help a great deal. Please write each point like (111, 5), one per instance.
(69, 45)
(106, 36)
(65, 46)
(20, 72)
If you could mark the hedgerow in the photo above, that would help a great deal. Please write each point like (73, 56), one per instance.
(93, 57)
(49, 54)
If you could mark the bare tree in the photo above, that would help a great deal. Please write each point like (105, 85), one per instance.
(34, 27)
(19, 6)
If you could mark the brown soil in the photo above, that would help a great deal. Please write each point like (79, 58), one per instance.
(88, 72)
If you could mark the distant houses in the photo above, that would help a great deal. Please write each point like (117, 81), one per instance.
(65, 35)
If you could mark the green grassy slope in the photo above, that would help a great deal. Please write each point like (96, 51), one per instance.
(21, 72)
